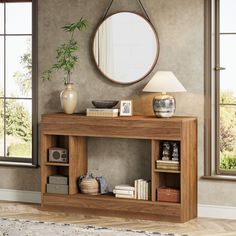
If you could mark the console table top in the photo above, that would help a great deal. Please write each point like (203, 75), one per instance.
(76, 117)
(140, 127)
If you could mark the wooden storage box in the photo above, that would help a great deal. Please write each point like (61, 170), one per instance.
(166, 194)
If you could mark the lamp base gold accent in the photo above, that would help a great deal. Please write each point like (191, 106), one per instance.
(164, 105)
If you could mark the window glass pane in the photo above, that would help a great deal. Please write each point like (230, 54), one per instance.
(227, 16)
(1, 65)
(227, 60)
(18, 128)
(228, 138)
(18, 18)
(1, 18)
(1, 127)
(16, 80)
(18, 66)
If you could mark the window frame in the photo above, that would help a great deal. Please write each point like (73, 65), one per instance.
(212, 70)
(29, 162)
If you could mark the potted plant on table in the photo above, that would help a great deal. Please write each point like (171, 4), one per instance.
(66, 59)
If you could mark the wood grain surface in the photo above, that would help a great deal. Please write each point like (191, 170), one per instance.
(71, 131)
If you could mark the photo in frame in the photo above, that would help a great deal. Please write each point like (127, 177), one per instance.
(126, 108)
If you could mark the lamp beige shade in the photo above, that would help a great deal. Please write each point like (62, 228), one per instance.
(164, 81)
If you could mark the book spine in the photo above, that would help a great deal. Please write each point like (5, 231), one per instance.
(146, 191)
(126, 192)
(102, 110)
(102, 114)
(168, 168)
(167, 162)
(124, 196)
(149, 190)
(143, 190)
(139, 188)
(143, 183)
(136, 189)
(124, 188)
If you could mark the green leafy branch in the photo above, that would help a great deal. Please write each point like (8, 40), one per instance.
(66, 53)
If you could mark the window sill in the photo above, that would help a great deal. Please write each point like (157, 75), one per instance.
(18, 164)
(220, 177)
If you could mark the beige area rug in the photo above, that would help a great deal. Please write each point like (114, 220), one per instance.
(10, 227)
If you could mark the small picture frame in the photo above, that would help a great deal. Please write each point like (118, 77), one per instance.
(126, 108)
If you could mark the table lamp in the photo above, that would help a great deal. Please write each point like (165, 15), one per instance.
(164, 105)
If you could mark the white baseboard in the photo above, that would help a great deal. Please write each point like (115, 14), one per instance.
(20, 196)
(210, 211)
(219, 212)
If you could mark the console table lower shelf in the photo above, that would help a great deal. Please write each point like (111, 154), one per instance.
(111, 206)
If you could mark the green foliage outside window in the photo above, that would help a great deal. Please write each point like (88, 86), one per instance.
(228, 161)
(18, 127)
(18, 121)
(227, 132)
(24, 79)
(19, 150)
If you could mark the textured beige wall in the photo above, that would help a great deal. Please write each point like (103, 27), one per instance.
(180, 28)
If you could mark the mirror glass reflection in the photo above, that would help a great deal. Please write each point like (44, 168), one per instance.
(125, 47)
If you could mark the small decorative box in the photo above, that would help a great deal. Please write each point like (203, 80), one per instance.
(166, 194)
(58, 179)
(58, 188)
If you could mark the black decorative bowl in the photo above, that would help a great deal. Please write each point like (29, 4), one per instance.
(104, 103)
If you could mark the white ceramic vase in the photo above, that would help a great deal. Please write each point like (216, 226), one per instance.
(69, 99)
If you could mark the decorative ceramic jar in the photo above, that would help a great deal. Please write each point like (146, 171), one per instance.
(164, 105)
(69, 99)
(88, 184)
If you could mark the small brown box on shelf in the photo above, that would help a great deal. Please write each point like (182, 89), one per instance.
(166, 194)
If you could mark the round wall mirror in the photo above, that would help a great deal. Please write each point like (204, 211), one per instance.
(125, 47)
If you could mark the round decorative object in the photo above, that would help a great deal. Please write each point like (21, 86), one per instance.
(125, 47)
(69, 99)
(104, 103)
(56, 155)
(164, 105)
(89, 186)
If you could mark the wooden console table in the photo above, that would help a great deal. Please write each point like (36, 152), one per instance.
(70, 131)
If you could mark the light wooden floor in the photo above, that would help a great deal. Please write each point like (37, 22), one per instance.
(196, 227)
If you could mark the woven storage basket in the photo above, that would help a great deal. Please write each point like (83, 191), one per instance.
(89, 186)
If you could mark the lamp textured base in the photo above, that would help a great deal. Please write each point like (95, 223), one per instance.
(164, 105)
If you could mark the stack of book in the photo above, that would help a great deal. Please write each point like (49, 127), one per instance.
(104, 112)
(167, 165)
(124, 191)
(142, 189)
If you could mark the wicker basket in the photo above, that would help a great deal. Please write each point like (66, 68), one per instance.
(89, 186)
